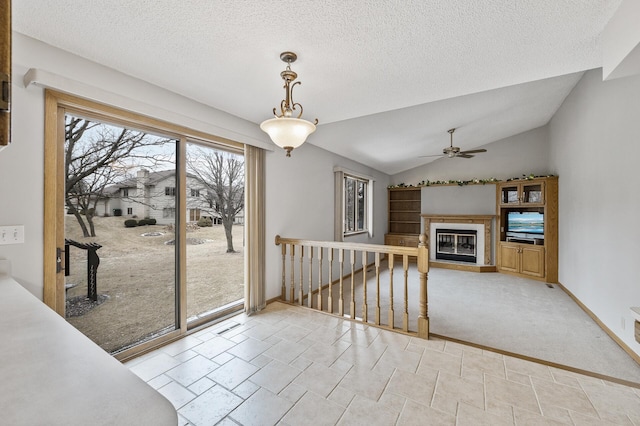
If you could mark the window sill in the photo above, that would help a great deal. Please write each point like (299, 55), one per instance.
(351, 234)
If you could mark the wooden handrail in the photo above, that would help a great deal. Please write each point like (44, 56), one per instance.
(310, 256)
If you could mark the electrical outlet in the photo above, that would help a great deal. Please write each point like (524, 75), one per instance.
(13, 234)
(622, 323)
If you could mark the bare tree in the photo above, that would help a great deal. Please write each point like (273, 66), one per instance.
(222, 174)
(94, 156)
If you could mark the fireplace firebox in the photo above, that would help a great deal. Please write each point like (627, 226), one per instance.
(456, 244)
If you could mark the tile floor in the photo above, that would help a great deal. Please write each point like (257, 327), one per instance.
(291, 366)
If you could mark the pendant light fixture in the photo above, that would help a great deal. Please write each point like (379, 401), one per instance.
(285, 130)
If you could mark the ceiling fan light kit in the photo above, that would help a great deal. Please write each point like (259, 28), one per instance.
(285, 130)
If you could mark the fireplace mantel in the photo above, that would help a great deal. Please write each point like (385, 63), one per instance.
(486, 220)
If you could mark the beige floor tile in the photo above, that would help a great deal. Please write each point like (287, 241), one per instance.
(511, 393)
(360, 356)
(394, 358)
(262, 331)
(154, 366)
(159, 381)
(286, 350)
(461, 390)
(555, 394)
(524, 417)
(319, 379)
(363, 411)
(182, 345)
(275, 376)
(476, 361)
(361, 337)
(415, 414)
(232, 373)
(412, 386)
(293, 392)
(445, 404)
(469, 415)
(523, 379)
(341, 396)
(440, 361)
(245, 389)
(528, 368)
(214, 347)
(364, 382)
(314, 409)
(192, 370)
(201, 386)
(392, 339)
(210, 407)
(612, 399)
(394, 403)
(325, 353)
(249, 349)
(300, 363)
(263, 408)
(293, 333)
(432, 344)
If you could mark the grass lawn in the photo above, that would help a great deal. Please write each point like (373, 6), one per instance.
(136, 278)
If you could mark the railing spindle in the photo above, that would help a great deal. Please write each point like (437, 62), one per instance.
(319, 278)
(310, 294)
(352, 304)
(391, 325)
(301, 291)
(341, 299)
(405, 316)
(364, 288)
(377, 288)
(292, 287)
(330, 297)
(284, 272)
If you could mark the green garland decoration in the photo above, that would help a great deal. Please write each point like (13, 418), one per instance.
(473, 181)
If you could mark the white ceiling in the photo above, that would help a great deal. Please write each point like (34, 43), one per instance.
(385, 78)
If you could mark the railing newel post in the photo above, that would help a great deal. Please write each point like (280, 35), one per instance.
(423, 270)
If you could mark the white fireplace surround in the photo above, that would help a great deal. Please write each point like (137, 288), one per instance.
(483, 225)
(479, 228)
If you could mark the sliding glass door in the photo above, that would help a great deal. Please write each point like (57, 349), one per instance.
(146, 224)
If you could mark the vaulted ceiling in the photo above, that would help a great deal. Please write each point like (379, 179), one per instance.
(385, 78)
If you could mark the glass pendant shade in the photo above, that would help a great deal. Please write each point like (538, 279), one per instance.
(288, 133)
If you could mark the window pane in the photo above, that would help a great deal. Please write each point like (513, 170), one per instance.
(111, 170)
(215, 233)
(349, 203)
(361, 211)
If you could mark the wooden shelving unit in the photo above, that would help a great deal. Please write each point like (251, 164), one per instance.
(535, 258)
(404, 217)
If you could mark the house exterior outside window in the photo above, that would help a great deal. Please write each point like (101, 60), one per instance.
(170, 191)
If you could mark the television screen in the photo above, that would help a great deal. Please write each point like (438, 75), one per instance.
(525, 222)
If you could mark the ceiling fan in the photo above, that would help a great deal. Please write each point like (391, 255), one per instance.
(454, 151)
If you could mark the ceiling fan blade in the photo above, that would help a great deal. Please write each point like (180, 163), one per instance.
(473, 151)
(434, 155)
(464, 155)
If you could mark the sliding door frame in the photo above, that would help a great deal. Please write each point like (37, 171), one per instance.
(57, 105)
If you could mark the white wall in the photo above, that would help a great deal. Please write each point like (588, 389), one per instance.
(595, 148)
(299, 189)
(524, 153)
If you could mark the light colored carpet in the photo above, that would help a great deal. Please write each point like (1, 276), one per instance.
(504, 312)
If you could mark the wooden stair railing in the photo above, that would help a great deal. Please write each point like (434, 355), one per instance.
(320, 293)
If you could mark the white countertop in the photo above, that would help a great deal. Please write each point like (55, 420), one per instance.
(52, 374)
(636, 313)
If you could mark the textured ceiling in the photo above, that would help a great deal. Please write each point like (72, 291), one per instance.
(379, 75)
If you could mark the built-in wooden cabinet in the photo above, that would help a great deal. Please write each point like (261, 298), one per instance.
(404, 217)
(522, 259)
(527, 212)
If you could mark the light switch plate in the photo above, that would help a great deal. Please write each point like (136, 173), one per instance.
(12, 234)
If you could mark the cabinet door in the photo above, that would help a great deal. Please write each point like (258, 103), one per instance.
(532, 261)
(510, 194)
(509, 257)
(532, 193)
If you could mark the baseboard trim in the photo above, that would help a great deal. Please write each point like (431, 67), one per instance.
(606, 329)
(539, 361)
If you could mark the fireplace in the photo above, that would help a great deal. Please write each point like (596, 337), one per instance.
(456, 244)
